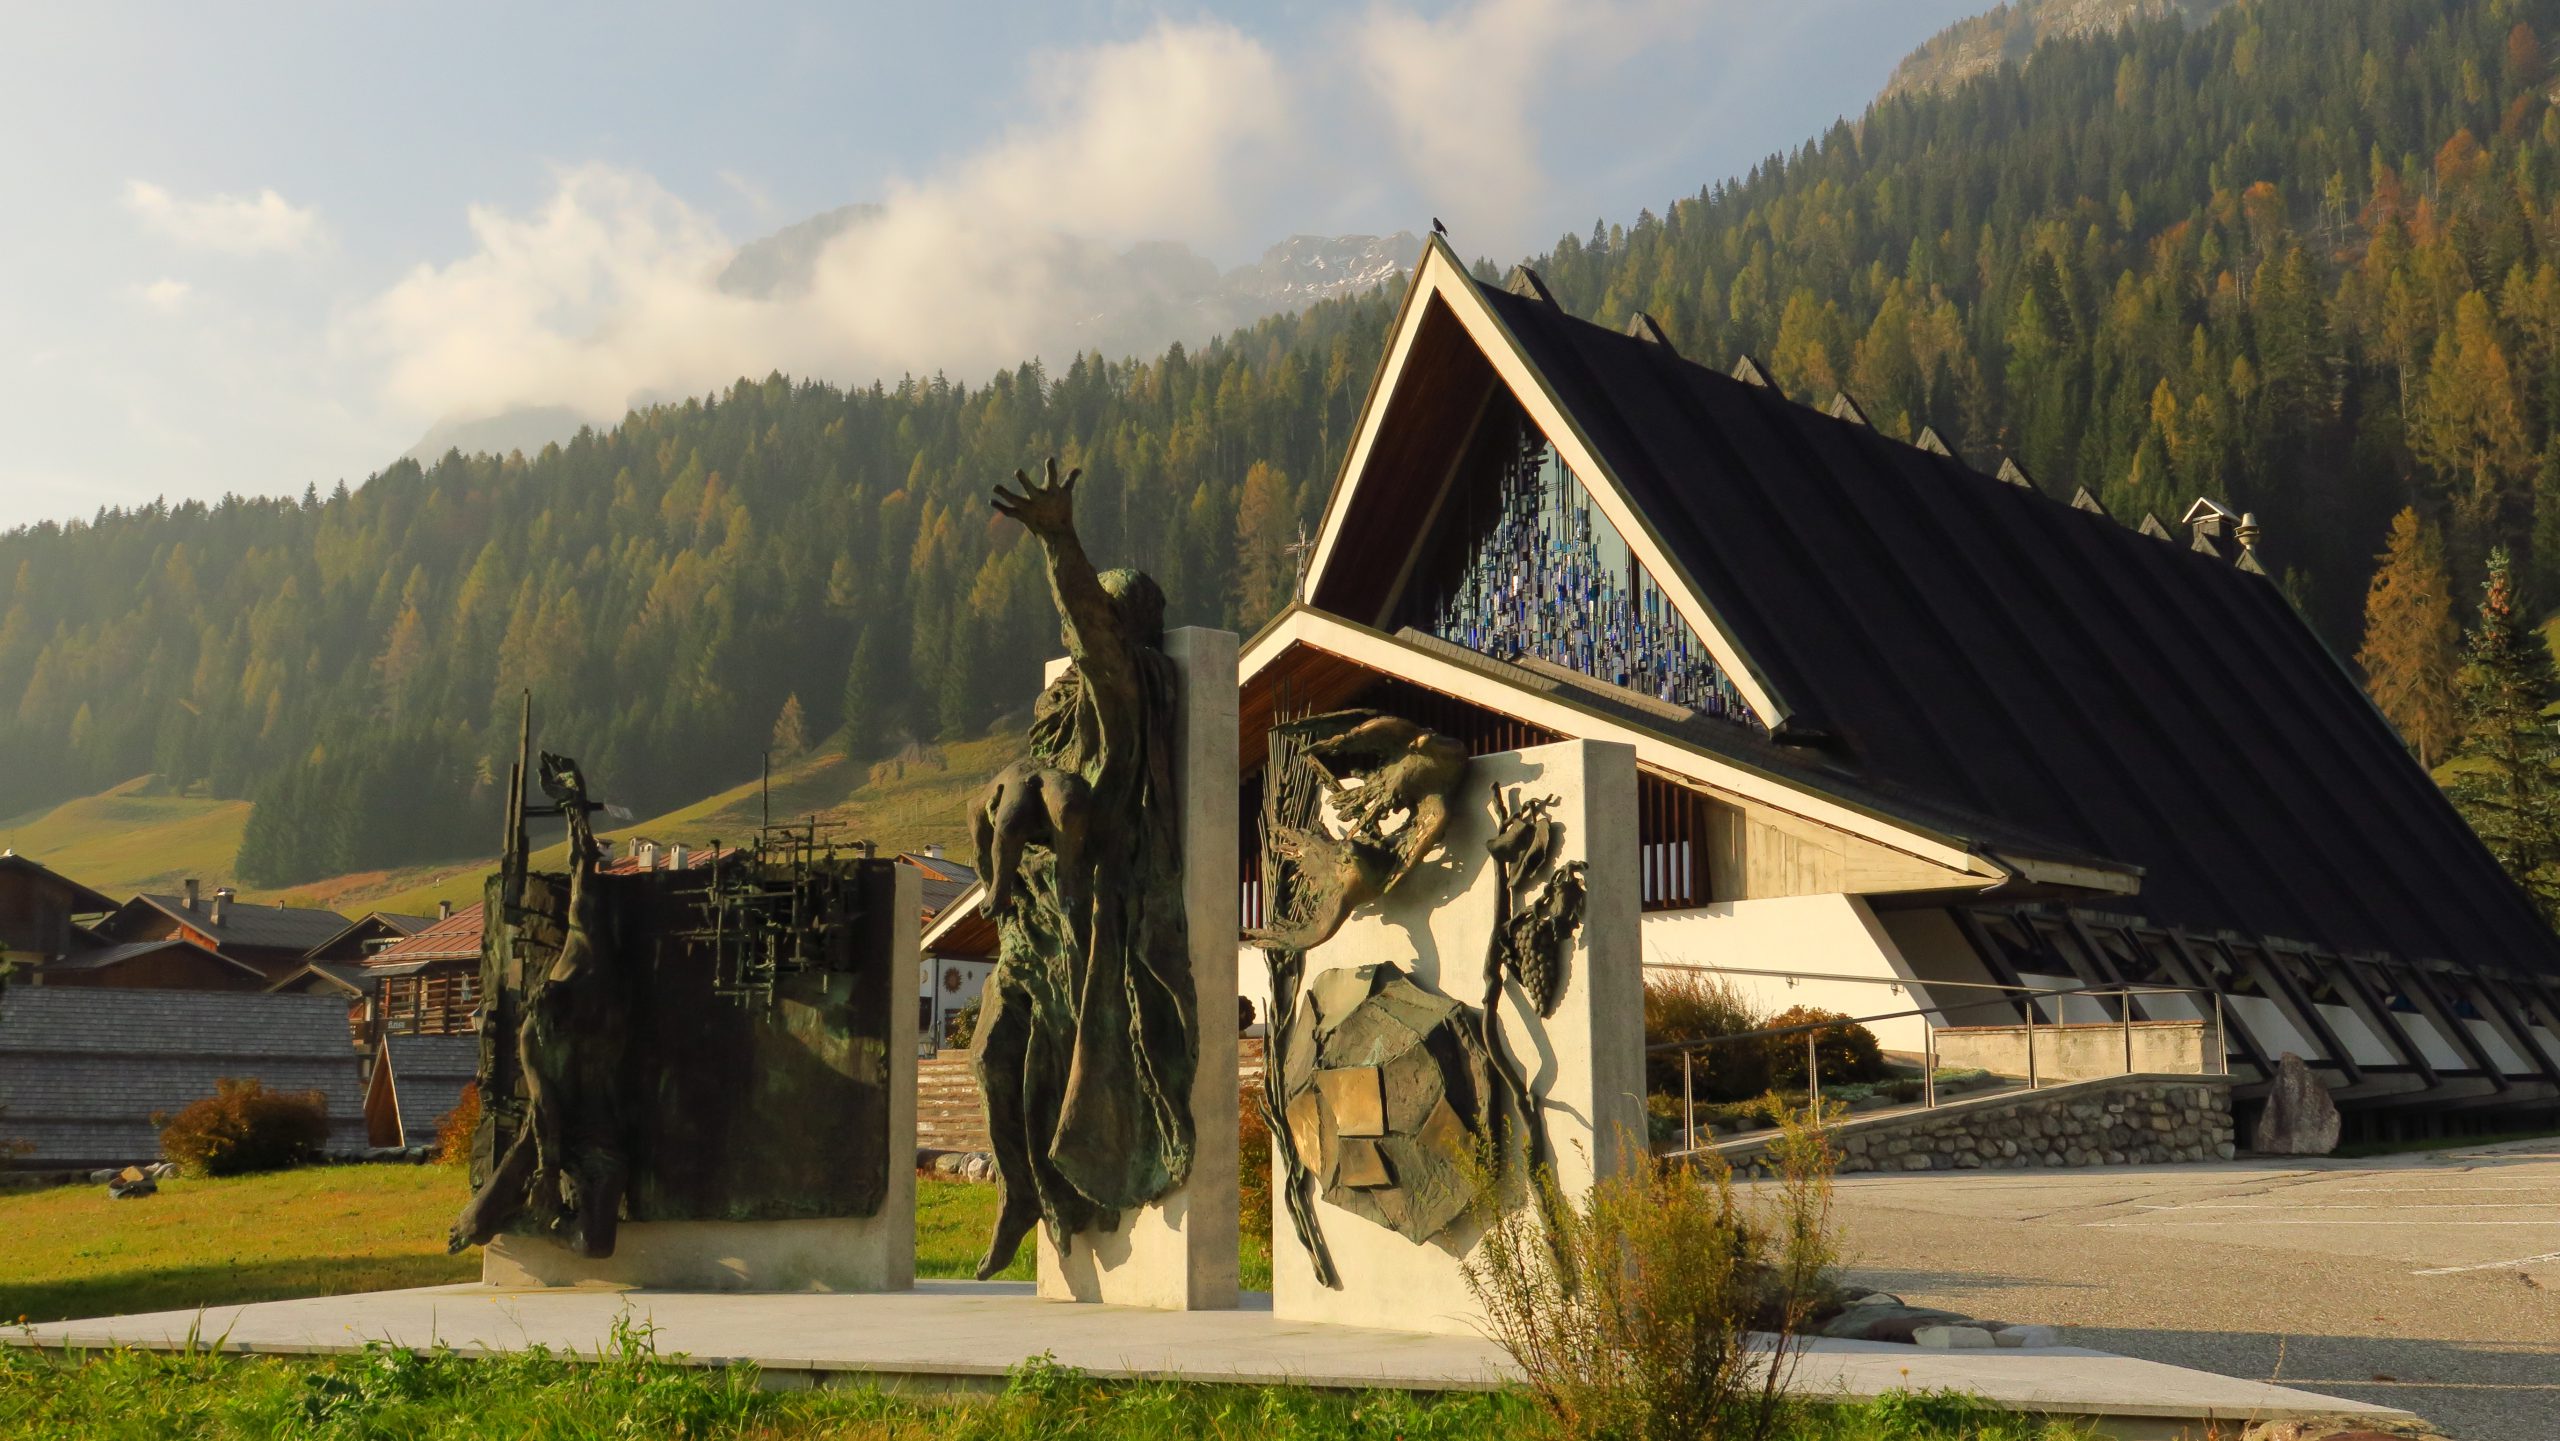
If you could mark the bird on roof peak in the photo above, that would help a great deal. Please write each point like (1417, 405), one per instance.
(1439, 229)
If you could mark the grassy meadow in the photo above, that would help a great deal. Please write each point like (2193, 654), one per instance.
(135, 837)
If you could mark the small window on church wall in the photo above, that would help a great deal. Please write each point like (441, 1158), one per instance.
(1524, 564)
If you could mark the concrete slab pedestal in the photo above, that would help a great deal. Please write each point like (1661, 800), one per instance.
(1179, 1253)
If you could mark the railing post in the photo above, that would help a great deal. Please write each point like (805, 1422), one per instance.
(1688, 1101)
(2221, 1042)
(2124, 1003)
(1813, 1074)
(1928, 1065)
(2031, 1042)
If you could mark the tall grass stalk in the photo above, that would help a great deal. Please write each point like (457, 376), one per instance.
(1635, 1320)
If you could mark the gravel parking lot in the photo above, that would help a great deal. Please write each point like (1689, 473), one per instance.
(2429, 1282)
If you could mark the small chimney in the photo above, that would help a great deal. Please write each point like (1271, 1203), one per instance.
(221, 897)
(933, 852)
(675, 858)
(191, 893)
(2247, 534)
(649, 855)
(444, 910)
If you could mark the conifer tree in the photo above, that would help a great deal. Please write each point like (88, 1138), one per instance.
(2410, 641)
(2508, 787)
(790, 735)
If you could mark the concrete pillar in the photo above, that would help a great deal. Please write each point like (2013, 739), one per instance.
(1179, 1253)
(1585, 1063)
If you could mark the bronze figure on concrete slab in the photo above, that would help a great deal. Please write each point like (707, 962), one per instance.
(706, 1044)
(1402, 769)
(565, 1169)
(1087, 1052)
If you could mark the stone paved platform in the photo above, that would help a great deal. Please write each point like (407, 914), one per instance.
(961, 1334)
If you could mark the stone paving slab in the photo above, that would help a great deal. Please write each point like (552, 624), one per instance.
(964, 1332)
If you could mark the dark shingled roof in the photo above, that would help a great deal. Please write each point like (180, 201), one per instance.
(104, 957)
(83, 1070)
(427, 1075)
(256, 927)
(2003, 654)
(82, 900)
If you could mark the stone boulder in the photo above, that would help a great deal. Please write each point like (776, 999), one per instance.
(2299, 1119)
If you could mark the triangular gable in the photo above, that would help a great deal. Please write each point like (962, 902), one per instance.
(1448, 353)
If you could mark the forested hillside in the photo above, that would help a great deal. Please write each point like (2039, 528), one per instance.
(2305, 257)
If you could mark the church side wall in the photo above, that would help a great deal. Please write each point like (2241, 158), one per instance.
(1826, 951)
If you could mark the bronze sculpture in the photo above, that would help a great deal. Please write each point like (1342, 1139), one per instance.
(678, 1045)
(1403, 769)
(565, 1169)
(1087, 1052)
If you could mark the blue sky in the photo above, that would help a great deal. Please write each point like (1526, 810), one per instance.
(254, 248)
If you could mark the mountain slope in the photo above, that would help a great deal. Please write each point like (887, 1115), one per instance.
(2299, 258)
(2010, 33)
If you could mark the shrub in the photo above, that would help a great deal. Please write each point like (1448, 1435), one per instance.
(1633, 1318)
(1847, 1050)
(244, 1127)
(1695, 1006)
(962, 1026)
(455, 1130)
(1253, 1161)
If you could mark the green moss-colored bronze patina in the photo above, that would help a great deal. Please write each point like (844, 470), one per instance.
(625, 1076)
(1089, 1040)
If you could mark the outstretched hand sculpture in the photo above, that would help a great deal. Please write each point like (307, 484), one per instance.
(1087, 1053)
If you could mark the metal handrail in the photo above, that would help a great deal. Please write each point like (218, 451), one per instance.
(1811, 1030)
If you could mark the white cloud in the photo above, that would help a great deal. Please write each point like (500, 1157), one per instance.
(264, 223)
(607, 294)
(163, 294)
(1462, 92)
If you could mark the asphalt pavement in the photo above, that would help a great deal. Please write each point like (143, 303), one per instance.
(2427, 1281)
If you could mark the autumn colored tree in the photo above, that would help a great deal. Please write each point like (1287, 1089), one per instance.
(2507, 781)
(790, 730)
(2411, 645)
(1266, 524)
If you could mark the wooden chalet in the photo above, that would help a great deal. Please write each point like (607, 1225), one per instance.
(428, 984)
(41, 911)
(1911, 737)
(271, 940)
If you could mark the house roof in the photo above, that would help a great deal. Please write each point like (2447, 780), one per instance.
(427, 1074)
(1973, 646)
(109, 956)
(344, 977)
(945, 880)
(453, 938)
(381, 923)
(250, 926)
(82, 900)
(83, 1070)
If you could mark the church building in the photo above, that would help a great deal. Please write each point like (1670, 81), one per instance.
(1911, 738)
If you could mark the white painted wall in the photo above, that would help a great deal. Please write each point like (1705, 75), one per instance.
(1832, 951)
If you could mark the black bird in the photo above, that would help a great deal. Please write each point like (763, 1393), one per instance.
(1439, 229)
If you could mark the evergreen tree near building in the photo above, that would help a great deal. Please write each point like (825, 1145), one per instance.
(2411, 645)
(2508, 787)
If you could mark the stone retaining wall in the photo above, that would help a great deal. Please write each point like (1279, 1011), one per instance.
(2120, 1121)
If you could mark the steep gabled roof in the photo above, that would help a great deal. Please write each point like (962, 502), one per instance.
(374, 926)
(455, 937)
(247, 925)
(80, 900)
(1942, 635)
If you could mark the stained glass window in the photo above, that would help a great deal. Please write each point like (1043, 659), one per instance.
(1526, 565)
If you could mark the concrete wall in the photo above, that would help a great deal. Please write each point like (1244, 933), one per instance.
(1584, 1063)
(1841, 958)
(2079, 1052)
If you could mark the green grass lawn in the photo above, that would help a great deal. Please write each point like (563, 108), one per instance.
(133, 838)
(72, 1252)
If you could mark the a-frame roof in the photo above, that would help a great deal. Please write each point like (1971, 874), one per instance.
(1936, 632)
